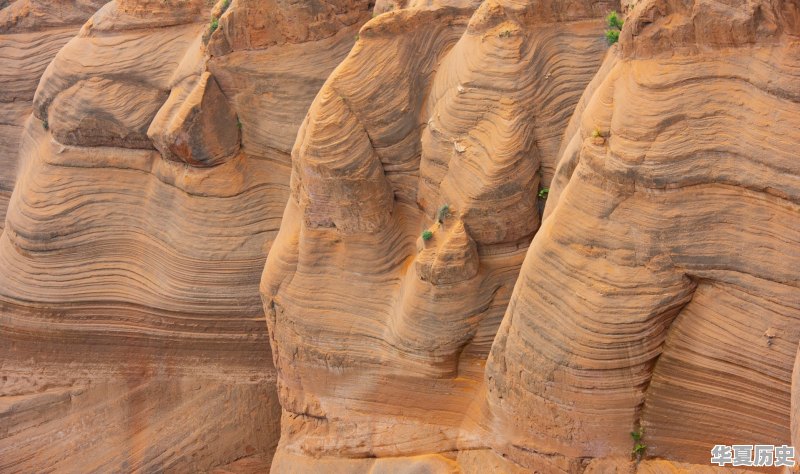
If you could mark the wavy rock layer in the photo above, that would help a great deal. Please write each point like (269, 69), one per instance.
(31, 33)
(661, 292)
(134, 423)
(446, 119)
(137, 233)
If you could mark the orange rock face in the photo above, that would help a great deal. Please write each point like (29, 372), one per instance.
(486, 241)
(446, 120)
(659, 295)
(31, 33)
(151, 184)
(678, 241)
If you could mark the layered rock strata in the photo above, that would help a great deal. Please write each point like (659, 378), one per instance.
(660, 295)
(427, 312)
(153, 175)
(414, 198)
(31, 33)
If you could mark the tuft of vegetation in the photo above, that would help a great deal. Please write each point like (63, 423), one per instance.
(238, 123)
(612, 36)
(638, 450)
(596, 133)
(444, 211)
(614, 24)
(427, 235)
(505, 34)
(356, 36)
(45, 125)
(543, 193)
(638, 446)
(215, 18)
(613, 21)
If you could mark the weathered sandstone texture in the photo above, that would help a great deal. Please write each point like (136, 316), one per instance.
(661, 291)
(152, 179)
(427, 309)
(31, 33)
(660, 294)
(445, 118)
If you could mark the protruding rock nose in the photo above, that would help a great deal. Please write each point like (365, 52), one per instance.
(454, 259)
(196, 125)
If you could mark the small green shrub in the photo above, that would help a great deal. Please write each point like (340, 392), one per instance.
(596, 133)
(612, 36)
(238, 123)
(505, 34)
(613, 21)
(543, 193)
(444, 211)
(638, 446)
(638, 450)
(614, 27)
(214, 25)
(225, 6)
(427, 235)
(45, 125)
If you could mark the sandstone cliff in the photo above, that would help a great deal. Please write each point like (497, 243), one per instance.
(446, 119)
(678, 238)
(660, 295)
(486, 241)
(31, 33)
(152, 178)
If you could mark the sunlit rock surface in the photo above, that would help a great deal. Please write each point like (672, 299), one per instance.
(427, 309)
(661, 291)
(152, 178)
(31, 33)
(443, 118)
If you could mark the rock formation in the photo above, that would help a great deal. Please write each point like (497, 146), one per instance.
(379, 335)
(659, 297)
(486, 241)
(31, 33)
(152, 179)
(677, 237)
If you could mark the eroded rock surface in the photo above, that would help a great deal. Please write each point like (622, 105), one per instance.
(153, 175)
(444, 118)
(661, 292)
(426, 311)
(31, 33)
